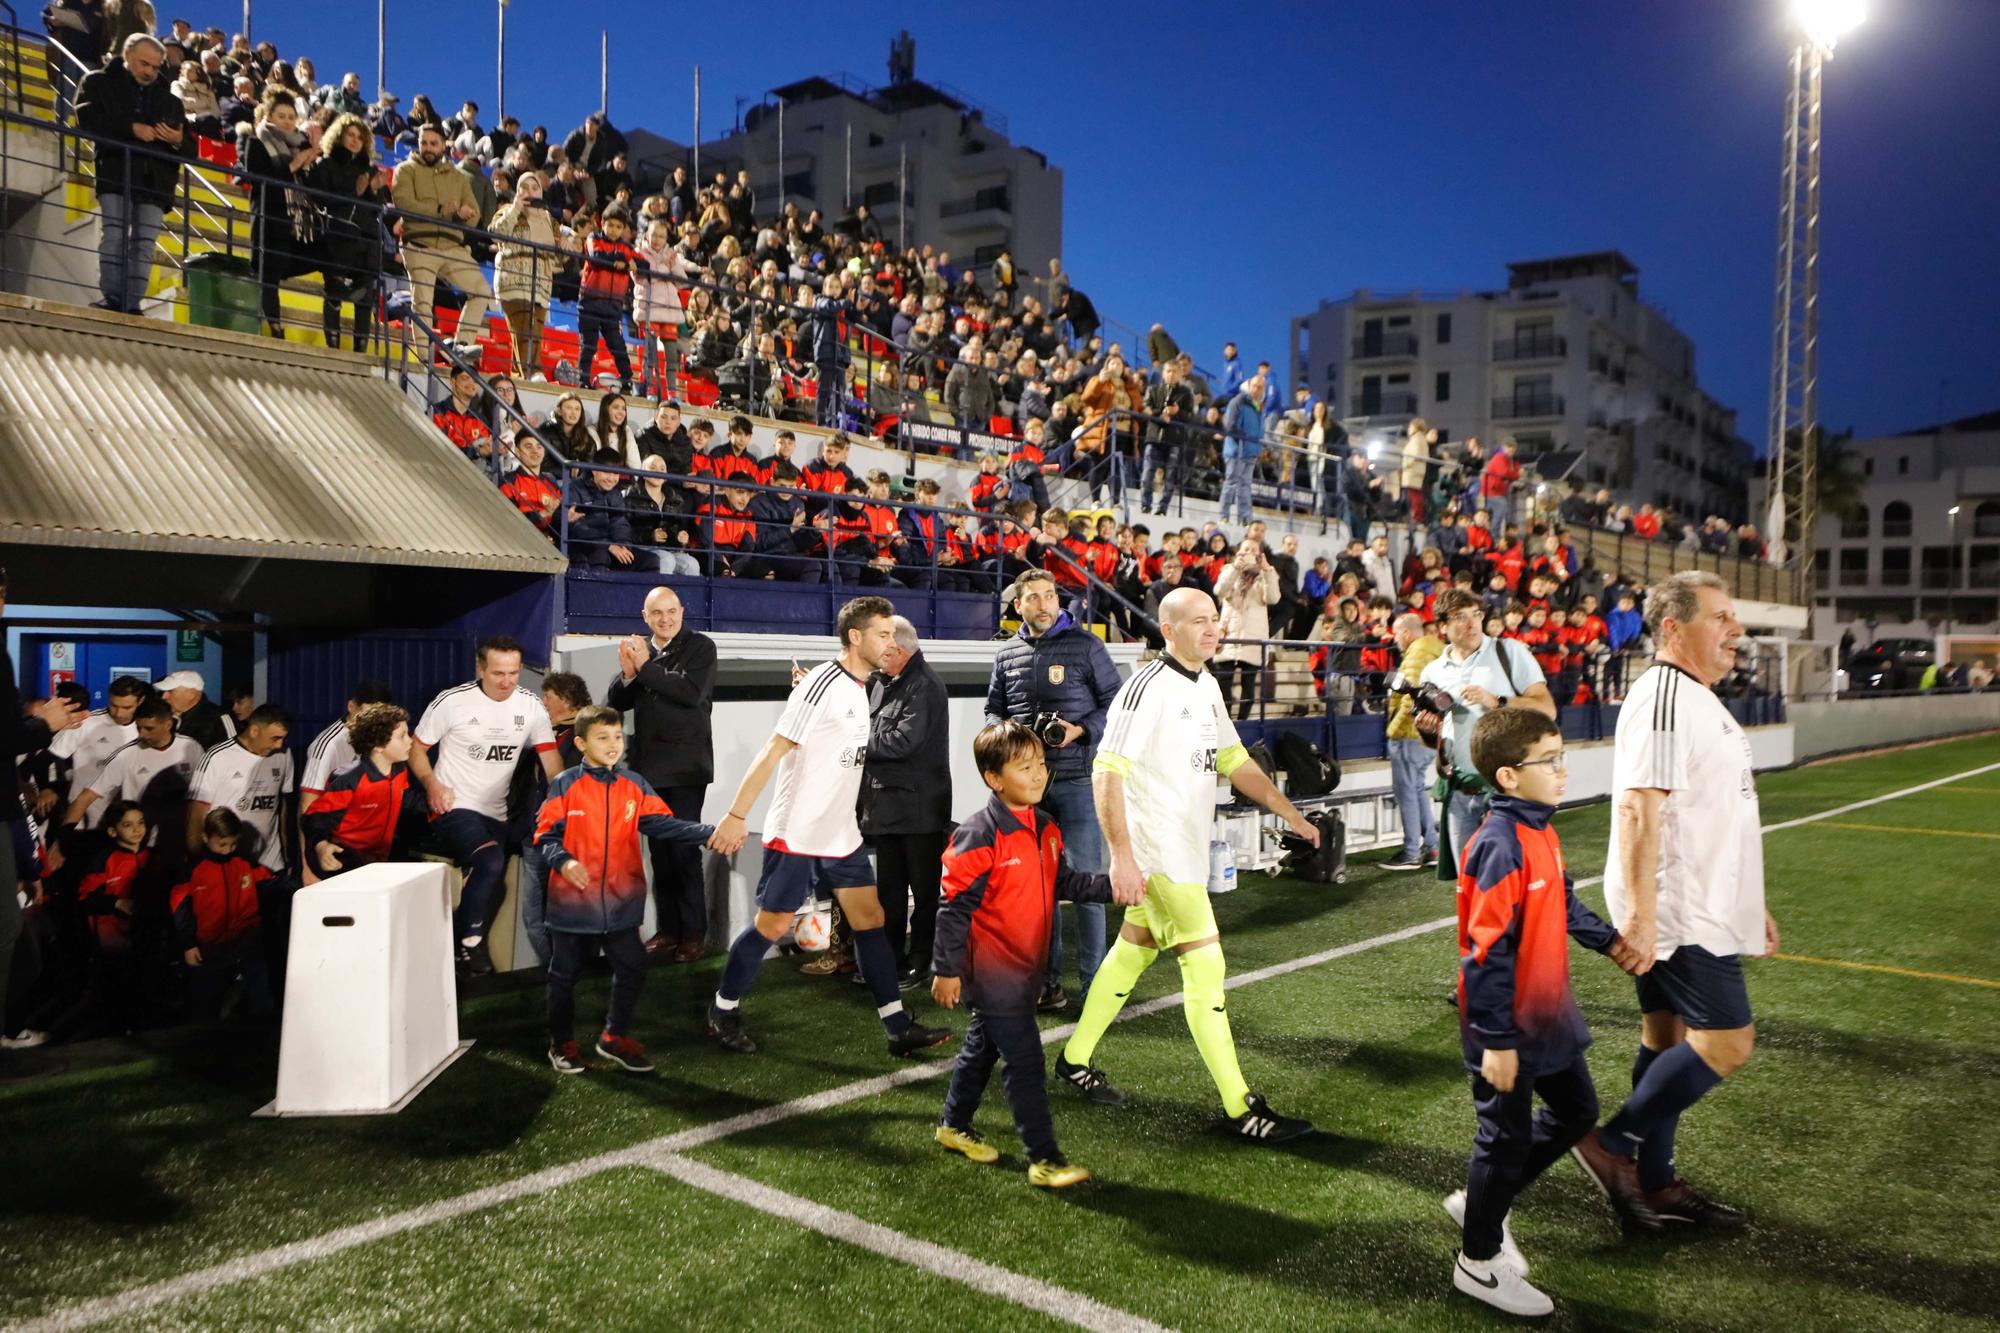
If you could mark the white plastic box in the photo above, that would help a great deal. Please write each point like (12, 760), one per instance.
(371, 1007)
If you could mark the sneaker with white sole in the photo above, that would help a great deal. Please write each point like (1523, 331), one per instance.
(24, 1040)
(567, 1059)
(1499, 1286)
(1260, 1124)
(1510, 1253)
(1403, 861)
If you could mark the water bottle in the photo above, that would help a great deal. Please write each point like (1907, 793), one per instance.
(1221, 866)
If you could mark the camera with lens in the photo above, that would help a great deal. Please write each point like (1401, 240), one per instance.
(1426, 698)
(1051, 728)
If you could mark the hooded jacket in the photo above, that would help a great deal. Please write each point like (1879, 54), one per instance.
(1067, 671)
(598, 818)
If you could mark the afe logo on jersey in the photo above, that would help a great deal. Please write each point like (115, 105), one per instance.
(501, 754)
(854, 756)
(260, 803)
(1202, 761)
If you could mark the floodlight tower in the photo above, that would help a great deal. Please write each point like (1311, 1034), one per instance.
(1793, 440)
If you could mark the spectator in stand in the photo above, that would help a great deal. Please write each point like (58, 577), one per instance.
(614, 431)
(457, 415)
(600, 529)
(1379, 570)
(661, 515)
(1171, 402)
(199, 99)
(343, 98)
(1417, 442)
(436, 204)
(668, 439)
(1243, 425)
(390, 125)
(77, 27)
(351, 246)
(535, 486)
(139, 128)
(1646, 523)
(657, 307)
(609, 262)
(1497, 480)
(279, 155)
(827, 333)
(1625, 624)
(968, 391)
(1246, 590)
(567, 432)
(524, 273)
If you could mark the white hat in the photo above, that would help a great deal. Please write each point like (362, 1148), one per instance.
(182, 680)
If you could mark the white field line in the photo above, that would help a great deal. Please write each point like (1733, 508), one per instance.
(1057, 1302)
(246, 1267)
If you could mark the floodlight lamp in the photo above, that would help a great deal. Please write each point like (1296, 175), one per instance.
(1953, 511)
(1825, 22)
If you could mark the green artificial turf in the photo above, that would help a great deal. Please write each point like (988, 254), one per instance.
(1862, 1135)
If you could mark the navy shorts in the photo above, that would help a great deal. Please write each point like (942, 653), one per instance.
(1705, 990)
(788, 878)
(460, 833)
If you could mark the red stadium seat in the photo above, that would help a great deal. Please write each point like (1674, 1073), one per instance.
(215, 152)
(1003, 426)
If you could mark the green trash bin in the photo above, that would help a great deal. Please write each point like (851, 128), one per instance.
(222, 293)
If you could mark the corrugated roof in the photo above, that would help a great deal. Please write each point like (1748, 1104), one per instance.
(157, 438)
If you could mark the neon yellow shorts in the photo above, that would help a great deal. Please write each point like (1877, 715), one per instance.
(1173, 913)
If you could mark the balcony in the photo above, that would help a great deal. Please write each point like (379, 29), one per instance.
(1396, 403)
(1385, 346)
(991, 207)
(1528, 406)
(1532, 347)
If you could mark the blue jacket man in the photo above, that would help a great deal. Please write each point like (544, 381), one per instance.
(1243, 440)
(826, 332)
(1053, 665)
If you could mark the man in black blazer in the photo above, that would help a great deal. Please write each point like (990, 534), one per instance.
(666, 680)
(906, 796)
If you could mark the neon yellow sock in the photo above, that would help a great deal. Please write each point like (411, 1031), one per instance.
(1201, 999)
(1116, 976)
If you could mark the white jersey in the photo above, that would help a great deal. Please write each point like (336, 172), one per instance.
(230, 777)
(89, 746)
(1676, 736)
(331, 751)
(813, 803)
(479, 741)
(151, 777)
(1168, 734)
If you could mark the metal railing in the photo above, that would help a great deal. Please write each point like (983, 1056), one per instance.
(1370, 347)
(1531, 347)
(1525, 406)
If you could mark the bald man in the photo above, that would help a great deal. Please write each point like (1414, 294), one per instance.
(1167, 736)
(666, 680)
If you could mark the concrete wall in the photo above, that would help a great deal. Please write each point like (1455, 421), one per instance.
(1849, 724)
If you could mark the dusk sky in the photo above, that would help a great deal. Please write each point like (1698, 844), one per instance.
(1226, 170)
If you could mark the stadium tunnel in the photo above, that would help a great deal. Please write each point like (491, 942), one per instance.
(303, 521)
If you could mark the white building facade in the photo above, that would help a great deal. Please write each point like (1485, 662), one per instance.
(967, 188)
(1903, 565)
(1594, 383)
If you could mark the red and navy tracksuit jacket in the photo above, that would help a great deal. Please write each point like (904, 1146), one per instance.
(724, 462)
(1516, 913)
(1003, 873)
(369, 814)
(217, 906)
(608, 266)
(599, 816)
(113, 877)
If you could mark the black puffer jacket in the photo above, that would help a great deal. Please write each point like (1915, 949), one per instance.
(906, 784)
(1066, 671)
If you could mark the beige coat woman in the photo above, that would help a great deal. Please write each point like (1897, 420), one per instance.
(1246, 592)
(522, 273)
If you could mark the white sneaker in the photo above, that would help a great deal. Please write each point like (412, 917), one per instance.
(27, 1040)
(1499, 1286)
(1510, 1253)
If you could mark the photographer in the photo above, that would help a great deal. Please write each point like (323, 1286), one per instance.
(1410, 761)
(1479, 674)
(1056, 678)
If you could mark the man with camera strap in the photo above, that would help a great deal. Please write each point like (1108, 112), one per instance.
(1478, 674)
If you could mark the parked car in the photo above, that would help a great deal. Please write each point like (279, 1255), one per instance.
(1890, 664)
